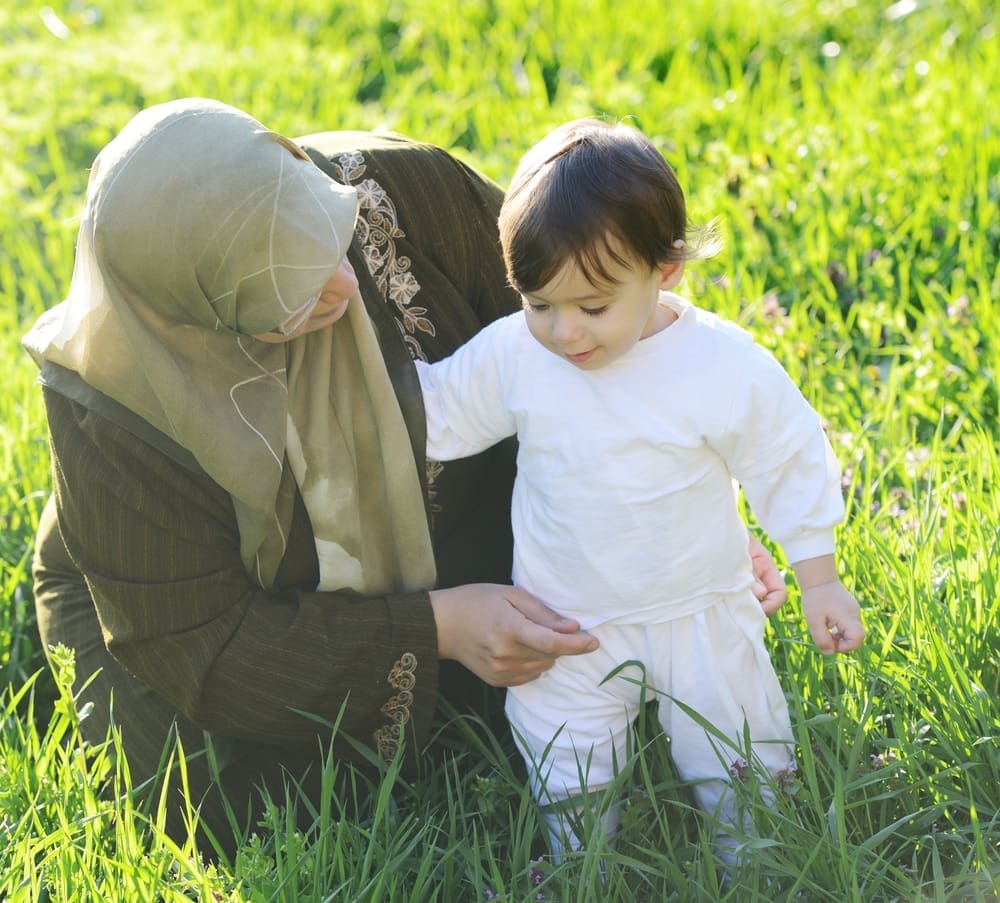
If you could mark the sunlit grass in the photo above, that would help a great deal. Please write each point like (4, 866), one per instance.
(851, 151)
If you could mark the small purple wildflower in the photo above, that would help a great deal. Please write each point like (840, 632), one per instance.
(959, 308)
(537, 875)
(836, 273)
(740, 770)
(787, 777)
(771, 307)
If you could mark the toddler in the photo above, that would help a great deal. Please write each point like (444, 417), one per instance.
(635, 411)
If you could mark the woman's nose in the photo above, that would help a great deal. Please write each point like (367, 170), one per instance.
(347, 280)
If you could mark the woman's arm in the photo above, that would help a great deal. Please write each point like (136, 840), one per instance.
(158, 547)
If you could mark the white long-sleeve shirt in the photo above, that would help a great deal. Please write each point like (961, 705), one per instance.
(624, 507)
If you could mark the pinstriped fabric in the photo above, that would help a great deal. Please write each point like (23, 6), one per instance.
(159, 547)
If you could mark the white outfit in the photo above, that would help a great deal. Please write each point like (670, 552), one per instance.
(625, 518)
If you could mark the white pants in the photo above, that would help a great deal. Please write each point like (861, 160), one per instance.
(714, 661)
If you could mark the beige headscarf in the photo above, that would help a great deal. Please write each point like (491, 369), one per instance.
(201, 229)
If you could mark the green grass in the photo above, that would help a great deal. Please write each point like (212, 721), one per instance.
(851, 150)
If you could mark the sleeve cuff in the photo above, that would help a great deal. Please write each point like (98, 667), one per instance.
(809, 544)
(411, 683)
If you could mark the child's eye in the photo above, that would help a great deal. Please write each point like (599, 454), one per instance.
(594, 311)
(536, 308)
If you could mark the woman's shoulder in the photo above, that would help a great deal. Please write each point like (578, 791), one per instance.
(352, 156)
(343, 141)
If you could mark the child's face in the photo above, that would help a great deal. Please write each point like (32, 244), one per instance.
(591, 326)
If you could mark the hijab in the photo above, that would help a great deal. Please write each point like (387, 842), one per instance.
(201, 229)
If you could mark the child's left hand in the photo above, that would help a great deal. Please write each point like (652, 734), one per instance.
(834, 617)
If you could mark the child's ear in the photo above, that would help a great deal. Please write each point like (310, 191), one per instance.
(671, 275)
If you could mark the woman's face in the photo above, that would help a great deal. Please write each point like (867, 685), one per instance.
(329, 307)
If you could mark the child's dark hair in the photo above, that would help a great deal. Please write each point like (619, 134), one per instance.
(590, 193)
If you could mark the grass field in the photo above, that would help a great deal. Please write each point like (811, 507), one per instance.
(851, 150)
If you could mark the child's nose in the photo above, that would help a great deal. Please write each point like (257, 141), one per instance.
(565, 327)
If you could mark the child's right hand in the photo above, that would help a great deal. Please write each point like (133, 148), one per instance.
(833, 616)
(768, 584)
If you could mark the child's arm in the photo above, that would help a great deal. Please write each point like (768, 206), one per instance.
(464, 400)
(774, 445)
(832, 613)
(799, 503)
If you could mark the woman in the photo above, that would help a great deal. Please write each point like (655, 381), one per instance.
(244, 535)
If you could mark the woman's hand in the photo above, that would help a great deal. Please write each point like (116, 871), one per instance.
(769, 586)
(503, 634)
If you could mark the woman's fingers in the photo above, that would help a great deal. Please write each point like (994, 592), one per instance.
(538, 612)
(542, 630)
(535, 638)
(493, 631)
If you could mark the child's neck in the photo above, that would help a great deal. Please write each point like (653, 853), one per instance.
(663, 316)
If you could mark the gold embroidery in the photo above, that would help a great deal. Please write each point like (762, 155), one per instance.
(433, 469)
(377, 230)
(397, 707)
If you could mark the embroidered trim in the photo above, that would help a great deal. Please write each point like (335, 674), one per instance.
(377, 230)
(397, 707)
(433, 469)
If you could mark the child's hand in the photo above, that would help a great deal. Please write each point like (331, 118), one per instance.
(833, 616)
(768, 586)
